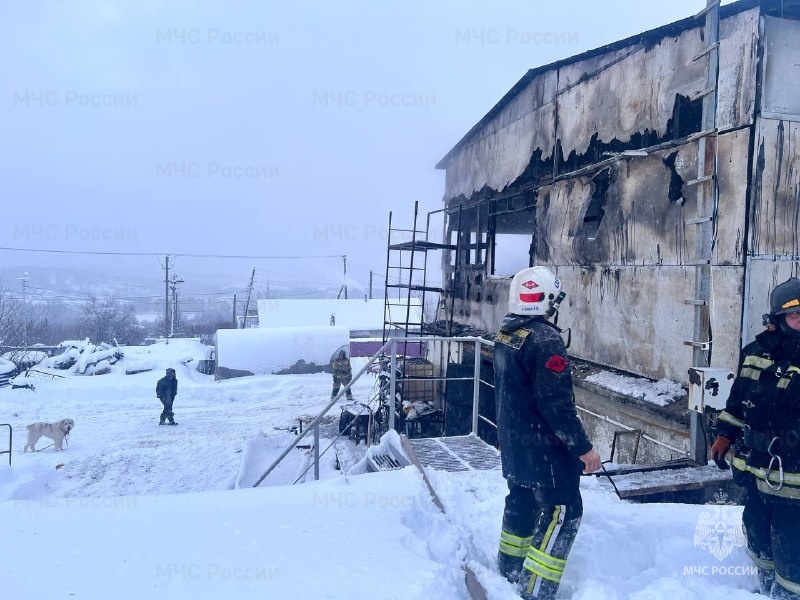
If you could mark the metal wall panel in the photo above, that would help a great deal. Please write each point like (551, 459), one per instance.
(781, 89)
(630, 96)
(501, 151)
(775, 204)
(611, 96)
(763, 274)
(738, 56)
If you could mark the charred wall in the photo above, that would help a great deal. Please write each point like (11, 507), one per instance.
(592, 176)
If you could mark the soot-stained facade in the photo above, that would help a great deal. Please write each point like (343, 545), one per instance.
(590, 167)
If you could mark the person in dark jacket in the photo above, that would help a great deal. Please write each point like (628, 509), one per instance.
(762, 421)
(166, 390)
(342, 374)
(543, 445)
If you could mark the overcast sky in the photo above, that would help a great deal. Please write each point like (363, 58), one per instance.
(256, 128)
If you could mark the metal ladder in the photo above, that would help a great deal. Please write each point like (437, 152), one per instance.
(707, 202)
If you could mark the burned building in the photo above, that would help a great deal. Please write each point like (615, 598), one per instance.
(658, 176)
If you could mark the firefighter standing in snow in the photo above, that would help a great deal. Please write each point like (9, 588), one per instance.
(342, 374)
(166, 390)
(543, 445)
(762, 419)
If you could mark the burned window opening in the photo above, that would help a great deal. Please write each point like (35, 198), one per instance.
(510, 214)
(687, 117)
(675, 193)
(597, 204)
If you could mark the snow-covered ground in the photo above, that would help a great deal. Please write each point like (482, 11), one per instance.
(131, 510)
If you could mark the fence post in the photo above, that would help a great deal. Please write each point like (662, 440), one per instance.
(392, 382)
(316, 452)
(10, 441)
(476, 387)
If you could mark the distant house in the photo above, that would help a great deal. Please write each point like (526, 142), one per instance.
(261, 351)
(363, 318)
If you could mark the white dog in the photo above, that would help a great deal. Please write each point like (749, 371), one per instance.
(55, 431)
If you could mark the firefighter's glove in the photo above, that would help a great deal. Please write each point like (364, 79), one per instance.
(719, 449)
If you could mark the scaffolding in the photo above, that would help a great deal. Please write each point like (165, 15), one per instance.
(406, 286)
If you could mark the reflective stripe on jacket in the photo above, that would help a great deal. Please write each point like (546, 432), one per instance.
(762, 414)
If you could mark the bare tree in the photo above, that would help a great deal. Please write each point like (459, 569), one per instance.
(11, 323)
(107, 320)
(21, 323)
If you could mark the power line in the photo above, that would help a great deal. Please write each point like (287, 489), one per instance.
(172, 254)
(77, 295)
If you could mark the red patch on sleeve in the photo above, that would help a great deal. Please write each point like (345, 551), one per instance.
(556, 363)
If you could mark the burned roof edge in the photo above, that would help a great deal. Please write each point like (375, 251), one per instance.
(658, 33)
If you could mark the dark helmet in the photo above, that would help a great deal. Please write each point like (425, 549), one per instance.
(342, 354)
(785, 298)
(170, 371)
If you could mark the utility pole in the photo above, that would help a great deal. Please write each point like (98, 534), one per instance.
(174, 282)
(166, 299)
(235, 324)
(247, 302)
(344, 285)
(370, 284)
(24, 281)
(344, 263)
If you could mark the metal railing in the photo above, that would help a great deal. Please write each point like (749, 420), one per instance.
(391, 345)
(10, 442)
(380, 356)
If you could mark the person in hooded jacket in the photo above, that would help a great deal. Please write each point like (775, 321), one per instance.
(543, 445)
(166, 390)
(762, 421)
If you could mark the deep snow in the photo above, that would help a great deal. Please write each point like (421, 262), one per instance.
(131, 510)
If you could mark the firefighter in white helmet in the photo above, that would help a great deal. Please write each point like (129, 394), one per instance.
(543, 445)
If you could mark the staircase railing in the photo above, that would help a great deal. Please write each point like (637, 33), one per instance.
(313, 427)
(10, 442)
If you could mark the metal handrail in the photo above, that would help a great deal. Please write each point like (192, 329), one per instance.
(317, 420)
(629, 428)
(392, 344)
(10, 441)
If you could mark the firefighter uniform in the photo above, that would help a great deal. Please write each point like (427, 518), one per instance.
(762, 419)
(540, 439)
(342, 374)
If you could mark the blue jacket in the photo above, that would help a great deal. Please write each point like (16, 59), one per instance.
(167, 388)
(538, 428)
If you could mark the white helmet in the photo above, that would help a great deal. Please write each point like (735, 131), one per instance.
(535, 291)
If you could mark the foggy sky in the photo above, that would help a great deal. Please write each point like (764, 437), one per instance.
(256, 128)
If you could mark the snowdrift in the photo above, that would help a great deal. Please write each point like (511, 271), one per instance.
(86, 358)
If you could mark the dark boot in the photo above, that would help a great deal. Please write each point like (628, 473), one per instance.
(766, 577)
(509, 566)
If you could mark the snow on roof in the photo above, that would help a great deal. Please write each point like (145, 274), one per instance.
(660, 392)
(6, 366)
(355, 315)
(265, 351)
(28, 356)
